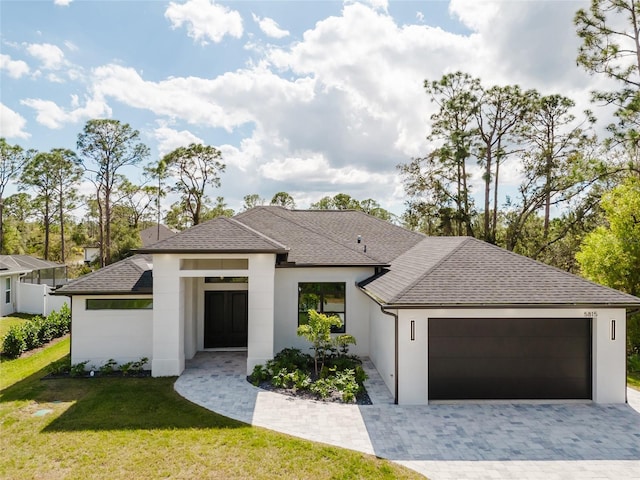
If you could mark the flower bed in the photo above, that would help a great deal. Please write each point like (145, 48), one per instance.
(341, 378)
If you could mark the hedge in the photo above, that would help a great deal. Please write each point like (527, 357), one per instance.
(36, 332)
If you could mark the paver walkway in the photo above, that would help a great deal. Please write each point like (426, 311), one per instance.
(475, 441)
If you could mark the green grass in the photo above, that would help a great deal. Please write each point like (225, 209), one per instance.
(16, 319)
(633, 380)
(140, 428)
(12, 371)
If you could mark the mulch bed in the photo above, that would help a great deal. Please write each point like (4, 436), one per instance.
(115, 374)
(361, 399)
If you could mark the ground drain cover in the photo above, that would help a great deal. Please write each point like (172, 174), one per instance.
(43, 412)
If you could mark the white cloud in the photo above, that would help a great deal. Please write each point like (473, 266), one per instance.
(170, 139)
(14, 68)
(314, 168)
(270, 27)
(53, 116)
(11, 123)
(420, 16)
(376, 4)
(204, 20)
(341, 107)
(62, 3)
(50, 56)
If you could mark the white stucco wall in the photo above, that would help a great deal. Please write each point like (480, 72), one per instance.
(98, 335)
(382, 344)
(178, 321)
(286, 305)
(609, 377)
(8, 308)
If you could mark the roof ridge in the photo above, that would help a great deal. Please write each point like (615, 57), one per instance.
(433, 267)
(542, 264)
(257, 232)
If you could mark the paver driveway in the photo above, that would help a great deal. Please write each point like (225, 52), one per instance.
(493, 441)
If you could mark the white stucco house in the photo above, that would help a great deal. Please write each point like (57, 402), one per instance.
(442, 318)
(26, 283)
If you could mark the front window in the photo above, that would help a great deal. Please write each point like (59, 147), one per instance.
(119, 303)
(327, 298)
(7, 290)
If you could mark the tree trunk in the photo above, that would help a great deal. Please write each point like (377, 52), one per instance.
(494, 227)
(487, 193)
(1, 225)
(547, 197)
(61, 214)
(47, 228)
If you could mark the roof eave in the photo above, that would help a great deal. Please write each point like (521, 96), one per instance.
(509, 305)
(64, 293)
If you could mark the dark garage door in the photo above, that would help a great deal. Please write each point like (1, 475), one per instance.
(507, 358)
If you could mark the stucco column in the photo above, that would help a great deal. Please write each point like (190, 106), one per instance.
(609, 356)
(261, 305)
(168, 317)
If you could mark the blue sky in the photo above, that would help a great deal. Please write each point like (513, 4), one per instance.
(309, 97)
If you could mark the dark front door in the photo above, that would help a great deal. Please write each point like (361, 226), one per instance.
(225, 319)
(509, 358)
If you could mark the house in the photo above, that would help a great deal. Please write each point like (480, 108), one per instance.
(154, 234)
(25, 283)
(441, 318)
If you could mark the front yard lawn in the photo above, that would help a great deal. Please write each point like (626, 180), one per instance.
(141, 428)
(633, 380)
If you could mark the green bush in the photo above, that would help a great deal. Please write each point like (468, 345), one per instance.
(36, 332)
(259, 375)
(30, 334)
(78, 369)
(108, 367)
(13, 343)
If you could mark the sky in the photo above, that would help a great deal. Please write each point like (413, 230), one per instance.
(309, 97)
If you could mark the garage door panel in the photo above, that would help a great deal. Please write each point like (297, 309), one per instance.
(509, 327)
(520, 368)
(509, 358)
(506, 347)
(499, 388)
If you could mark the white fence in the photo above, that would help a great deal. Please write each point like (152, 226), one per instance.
(37, 300)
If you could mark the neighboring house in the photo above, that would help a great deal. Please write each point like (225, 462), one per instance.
(25, 283)
(154, 234)
(440, 317)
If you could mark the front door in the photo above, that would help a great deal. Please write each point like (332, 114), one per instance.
(225, 319)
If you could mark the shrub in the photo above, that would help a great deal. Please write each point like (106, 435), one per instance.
(13, 343)
(78, 369)
(259, 374)
(133, 367)
(345, 383)
(322, 387)
(60, 367)
(318, 332)
(108, 367)
(30, 334)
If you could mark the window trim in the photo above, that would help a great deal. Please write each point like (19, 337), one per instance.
(8, 284)
(343, 329)
(121, 306)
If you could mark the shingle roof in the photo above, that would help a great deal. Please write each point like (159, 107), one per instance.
(330, 237)
(466, 271)
(154, 234)
(21, 263)
(217, 236)
(131, 275)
